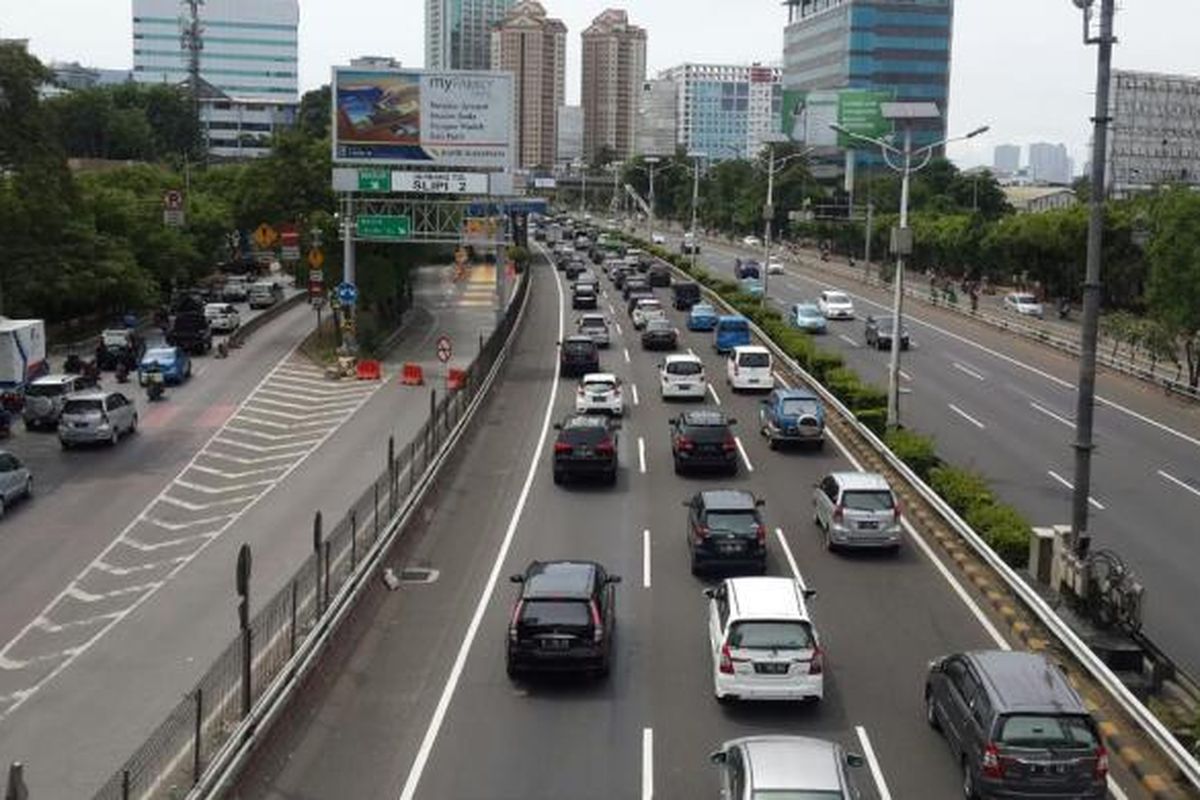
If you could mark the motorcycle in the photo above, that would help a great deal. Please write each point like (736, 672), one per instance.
(155, 387)
(1064, 309)
(5, 423)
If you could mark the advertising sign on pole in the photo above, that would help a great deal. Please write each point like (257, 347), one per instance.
(860, 111)
(440, 182)
(289, 243)
(807, 116)
(456, 118)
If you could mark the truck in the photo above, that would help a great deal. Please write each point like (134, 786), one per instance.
(22, 356)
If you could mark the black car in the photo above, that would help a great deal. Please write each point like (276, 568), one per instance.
(660, 334)
(191, 331)
(586, 446)
(622, 274)
(659, 275)
(631, 300)
(583, 295)
(578, 355)
(685, 295)
(747, 268)
(878, 333)
(574, 268)
(703, 439)
(633, 284)
(725, 529)
(563, 619)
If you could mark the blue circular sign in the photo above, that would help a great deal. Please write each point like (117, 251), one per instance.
(347, 293)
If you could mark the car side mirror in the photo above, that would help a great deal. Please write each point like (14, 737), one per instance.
(616, 426)
(732, 421)
(855, 760)
(809, 593)
(717, 757)
(760, 503)
(517, 578)
(613, 579)
(710, 593)
(558, 426)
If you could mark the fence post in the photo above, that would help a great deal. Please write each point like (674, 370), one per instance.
(328, 553)
(16, 783)
(243, 590)
(412, 465)
(353, 539)
(375, 538)
(126, 780)
(196, 750)
(432, 422)
(292, 633)
(317, 547)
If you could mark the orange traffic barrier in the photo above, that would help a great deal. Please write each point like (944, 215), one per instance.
(368, 370)
(412, 375)
(456, 378)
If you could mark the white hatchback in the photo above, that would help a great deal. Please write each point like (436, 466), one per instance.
(1024, 304)
(682, 375)
(749, 367)
(764, 645)
(600, 392)
(835, 305)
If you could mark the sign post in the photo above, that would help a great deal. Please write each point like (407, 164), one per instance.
(173, 215)
(445, 349)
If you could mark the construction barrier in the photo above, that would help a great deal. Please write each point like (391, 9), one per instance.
(368, 370)
(412, 375)
(456, 378)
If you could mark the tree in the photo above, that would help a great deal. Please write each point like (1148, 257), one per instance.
(315, 113)
(1173, 288)
(603, 156)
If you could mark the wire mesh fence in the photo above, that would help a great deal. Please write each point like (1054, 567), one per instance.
(172, 760)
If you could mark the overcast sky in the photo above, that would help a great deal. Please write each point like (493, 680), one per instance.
(1018, 65)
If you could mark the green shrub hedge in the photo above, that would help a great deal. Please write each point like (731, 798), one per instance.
(914, 450)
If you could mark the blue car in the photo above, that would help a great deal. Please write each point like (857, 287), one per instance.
(702, 317)
(731, 332)
(808, 318)
(752, 287)
(792, 415)
(176, 365)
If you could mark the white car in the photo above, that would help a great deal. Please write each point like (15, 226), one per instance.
(222, 317)
(764, 645)
(835, 305)
(749, 367)
(752, 241)
(774, 267)
(600, 392)
(1024, 304)
(658, 238)
(645, 309)
(682, 375)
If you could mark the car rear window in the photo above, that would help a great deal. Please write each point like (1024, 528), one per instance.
(556, 612)
(684, 368)
(798, 407)
(771, 635)
(93, 406)
(733, 325)
(743, 522)
(593, 322)
(1025, 299)
(578, 347)
(872, 500)
(1045, 730)
(45, 390)
(836, 297)
(599, 385)
(754, 360)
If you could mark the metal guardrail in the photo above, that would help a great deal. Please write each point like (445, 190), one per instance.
(209, 735)
(1171, 747)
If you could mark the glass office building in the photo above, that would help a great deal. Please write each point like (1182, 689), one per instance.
(458, 33)
(725, 110)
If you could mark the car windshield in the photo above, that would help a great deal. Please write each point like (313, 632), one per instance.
(800, 407)
(45, 390)
(80, 406)
(159, 354)
(836, 297)
(1025, 299)
(884, 323)
(1047, 731)
(808, 311)
(771, 635)
(743, 522)
(684, 368)
(703, 311)
(872, 500)
(659, 324)
(754, 360)
(556, 612)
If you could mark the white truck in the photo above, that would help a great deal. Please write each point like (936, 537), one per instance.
(22, 353)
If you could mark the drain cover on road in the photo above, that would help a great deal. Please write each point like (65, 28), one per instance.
(418, 575)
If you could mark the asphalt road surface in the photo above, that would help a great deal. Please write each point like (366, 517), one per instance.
(414, 702)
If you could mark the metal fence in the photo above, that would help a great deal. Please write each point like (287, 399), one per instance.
(176, 755)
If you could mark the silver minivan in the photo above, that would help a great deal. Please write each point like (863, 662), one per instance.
(45, 397)
(16, 481)
(857, 509)
(96, 416)
(755, 767)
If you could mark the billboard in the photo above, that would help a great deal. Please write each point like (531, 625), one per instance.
(808, 115)
(446, 118)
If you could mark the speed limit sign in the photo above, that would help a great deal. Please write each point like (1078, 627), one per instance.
(445, 349)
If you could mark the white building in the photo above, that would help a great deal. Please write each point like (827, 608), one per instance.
(1007, 159)
(725, 110)
(1035, 199)
(656, 135)
(1155, 132)
(570, 134)
(248, 66)
(1049, 163)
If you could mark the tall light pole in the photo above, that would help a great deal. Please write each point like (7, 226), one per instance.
(1086, 397)
(910, 161)
(651, 161)
(769, 206)
(696, 156)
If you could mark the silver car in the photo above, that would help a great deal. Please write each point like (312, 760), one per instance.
(595, 326)
(96, 416)
(857, 510)
(45, 397)
(16, 481)
(785, 767)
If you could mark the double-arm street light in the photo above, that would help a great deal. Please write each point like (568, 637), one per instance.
(907, 162)
(769, 207)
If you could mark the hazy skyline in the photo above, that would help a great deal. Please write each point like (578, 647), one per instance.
(1017, 65)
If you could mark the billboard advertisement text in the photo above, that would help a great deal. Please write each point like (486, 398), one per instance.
(808, 115)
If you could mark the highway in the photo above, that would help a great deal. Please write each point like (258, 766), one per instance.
(1004, 407)
(117, 579)
(413, 700)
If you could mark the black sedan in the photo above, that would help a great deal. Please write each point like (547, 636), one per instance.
(878, 333)
(586, 446)
(660, 334)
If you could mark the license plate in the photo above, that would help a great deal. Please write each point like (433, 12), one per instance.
(868, 525)
(683, 386)
(729, 547)
(771, 669)
(555, 644)
(583, 451)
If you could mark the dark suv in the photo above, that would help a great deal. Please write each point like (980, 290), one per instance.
(725, 529)
(191, 331)
(1015, 726)
(583, 295)
(586, 446)
(702, 438)
(563, 619)
(578, 355)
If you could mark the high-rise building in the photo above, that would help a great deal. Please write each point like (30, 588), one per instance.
(902, 46)
(248, 66)
(656, 135)
(1154, 137)
(614, 69)
(534, 48)
(1007, 158)
(726, 110)
(570, 134)
(1048, 163)
(458, 32)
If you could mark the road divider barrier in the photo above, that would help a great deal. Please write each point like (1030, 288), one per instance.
(368, 370)
(456, 379)
(412, 375)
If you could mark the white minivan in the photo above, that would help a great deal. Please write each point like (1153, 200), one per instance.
(682, 375)
(264, 294)
(749, 367)
(764, 645)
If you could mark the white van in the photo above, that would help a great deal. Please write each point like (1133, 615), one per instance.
(682, 375)
(749, 367)
(764, 645)
(263, 294)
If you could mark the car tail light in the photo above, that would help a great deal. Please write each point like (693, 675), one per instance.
(512, 625)
(838, 514)
(605, 448)
(816, 664)
(597, 628)
(729, 444)
(562, 447)
(761, 531)
(684, 443)
(1101, 770)
(992, 765)
(726, 665)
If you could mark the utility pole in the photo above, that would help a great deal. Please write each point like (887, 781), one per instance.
(1086, 398)
(768, 216)
(695, 203)
(192, 41)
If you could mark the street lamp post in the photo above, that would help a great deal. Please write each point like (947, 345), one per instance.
(695, 203)
(652, 161)
(911, 161)
(769, 207)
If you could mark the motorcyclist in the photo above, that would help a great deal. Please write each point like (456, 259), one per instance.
(155, 385)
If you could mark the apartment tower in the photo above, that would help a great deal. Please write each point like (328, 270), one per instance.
(614, 71)
(533, 48)
(458, 32)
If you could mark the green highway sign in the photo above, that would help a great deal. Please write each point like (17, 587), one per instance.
(374, 180)
(376, 226)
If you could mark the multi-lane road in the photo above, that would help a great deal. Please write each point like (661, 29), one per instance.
(1005, 407)
(414, 701)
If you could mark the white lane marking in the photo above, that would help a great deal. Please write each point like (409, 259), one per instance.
(691, 352)
(642, 455)
(847, 340)
(783, 381)
(1180, 483)
(713, 392)
(787, 552)
(966, 416)
(611, 310)
(647, 763)
(967, 600)
(1096, 504)
(968, 371)
(620, 332)
(460, 660)
(633, 386)
(626, 355)
(646, 558)
(742, 450)
(1052, 415)
(905, 375)
(873, 763)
